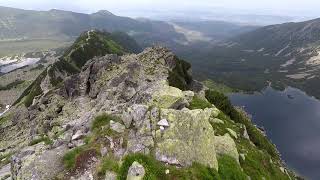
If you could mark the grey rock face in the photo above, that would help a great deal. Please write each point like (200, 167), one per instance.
(119, 128)
(37, 163)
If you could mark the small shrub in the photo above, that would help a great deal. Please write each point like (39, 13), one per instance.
(199, 103)
(229, 169)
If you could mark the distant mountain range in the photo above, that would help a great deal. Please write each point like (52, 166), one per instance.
(285, 55)
(17, 24)
(245, 57)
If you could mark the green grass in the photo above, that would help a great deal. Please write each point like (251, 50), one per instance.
(199, 103)
(69, 159)
(108, 163)
(257, 163)
(44, 139)
(154, 169)
(229, 169)
(103, 120)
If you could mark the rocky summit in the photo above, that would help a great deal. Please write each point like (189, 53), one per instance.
(129, 116)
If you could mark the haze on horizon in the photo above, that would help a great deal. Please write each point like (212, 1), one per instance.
(291, 8)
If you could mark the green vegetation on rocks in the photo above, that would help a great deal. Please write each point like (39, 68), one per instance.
(179, 76)
(199, 103)
(32, 91)
(44, 139)
(103, 120)
(78, 156)
(157, 170)
(91, 44)
(108, 164)
(223, 103)
(229, 169)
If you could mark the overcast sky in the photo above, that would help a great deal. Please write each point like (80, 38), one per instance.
(274, 7)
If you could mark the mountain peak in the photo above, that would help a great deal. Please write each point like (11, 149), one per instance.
(104, 13)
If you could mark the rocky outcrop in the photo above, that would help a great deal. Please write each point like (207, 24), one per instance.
(144, 115)
(190, 138)
(225, 145)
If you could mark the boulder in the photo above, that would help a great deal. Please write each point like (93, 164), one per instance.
(167, 96)
(136, 172)
(78, 135)
(225, 145)
(190, 138)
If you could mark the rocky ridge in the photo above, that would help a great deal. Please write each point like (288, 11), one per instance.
(119, 117)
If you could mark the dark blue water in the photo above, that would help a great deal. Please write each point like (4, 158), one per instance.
(292, 121)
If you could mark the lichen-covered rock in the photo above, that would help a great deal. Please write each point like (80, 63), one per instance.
(190, 138)
(37, 163)
(136, 171)
(167, 96)
(225, 145)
